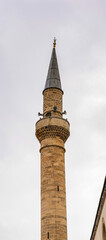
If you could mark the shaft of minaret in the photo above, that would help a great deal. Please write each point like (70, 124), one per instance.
(52, 131)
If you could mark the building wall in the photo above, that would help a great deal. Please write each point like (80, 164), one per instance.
(101, 229)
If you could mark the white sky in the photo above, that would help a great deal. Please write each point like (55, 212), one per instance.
(27, 30)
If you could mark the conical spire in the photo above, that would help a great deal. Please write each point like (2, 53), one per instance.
(53, 76)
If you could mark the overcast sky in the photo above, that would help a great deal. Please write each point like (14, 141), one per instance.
(27, 29)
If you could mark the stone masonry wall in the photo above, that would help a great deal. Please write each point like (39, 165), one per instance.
(53, 193)
(52, 97)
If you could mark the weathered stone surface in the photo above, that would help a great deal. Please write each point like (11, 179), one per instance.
(52, 98)
(53, 202)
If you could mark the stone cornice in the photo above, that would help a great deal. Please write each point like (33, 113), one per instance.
(51, 128)
(52, 131)
(52, 146)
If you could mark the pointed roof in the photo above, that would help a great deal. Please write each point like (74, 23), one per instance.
(53, 76)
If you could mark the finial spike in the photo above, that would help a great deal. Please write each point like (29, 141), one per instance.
(54, 43)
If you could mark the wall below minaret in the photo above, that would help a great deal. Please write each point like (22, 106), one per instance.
(53, 202)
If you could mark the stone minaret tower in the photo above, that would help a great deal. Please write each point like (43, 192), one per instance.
(52, 131)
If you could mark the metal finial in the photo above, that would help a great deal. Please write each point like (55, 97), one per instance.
(54, 43)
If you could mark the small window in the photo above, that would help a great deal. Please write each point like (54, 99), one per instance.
(58, 188)
(48, 235)
(103, 229)
(48, 114)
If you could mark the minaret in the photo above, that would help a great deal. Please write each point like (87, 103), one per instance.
(52, 131)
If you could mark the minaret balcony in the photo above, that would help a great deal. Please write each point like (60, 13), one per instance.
(52, 127)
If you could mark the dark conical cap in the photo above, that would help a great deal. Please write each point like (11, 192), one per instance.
(53, 76)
